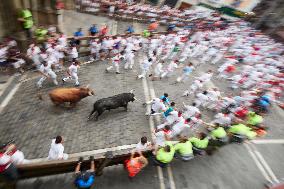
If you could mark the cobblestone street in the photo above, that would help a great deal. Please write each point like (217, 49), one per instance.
(46, 121)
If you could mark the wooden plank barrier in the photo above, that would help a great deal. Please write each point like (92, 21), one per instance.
(54, 167)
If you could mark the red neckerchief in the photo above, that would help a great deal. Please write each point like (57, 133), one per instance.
(12, 152)
(3, 167)
(166, 131)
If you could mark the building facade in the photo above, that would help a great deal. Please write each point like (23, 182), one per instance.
(44, 14)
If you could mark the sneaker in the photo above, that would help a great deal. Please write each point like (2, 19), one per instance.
(117, 72)
(92, 59)
(63, 82)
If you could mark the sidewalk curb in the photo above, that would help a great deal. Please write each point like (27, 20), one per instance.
(10, 85)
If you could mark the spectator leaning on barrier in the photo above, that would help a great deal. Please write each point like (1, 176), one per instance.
(57, 149)
(135, 164)
(142, 145)
(130, 29)
(85, 178)
(93, 30)
(103, 30)
(41, 34)
(77, 35)
(7, 168)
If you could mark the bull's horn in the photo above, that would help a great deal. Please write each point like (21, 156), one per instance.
(132, 90)
(137, 99)
(90, 93)
(88, 86)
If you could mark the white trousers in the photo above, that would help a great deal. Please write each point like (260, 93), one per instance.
(167, 74)
(143, 73)
(73, 76)
(129, 63)
(183, 77)
(218, 57)
(115, 65)
(43, 78)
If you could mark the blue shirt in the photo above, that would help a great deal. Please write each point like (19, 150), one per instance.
(168, 111)
(78, 34)
(171, 26)
(167, 100)
(130, 29)
(93, 29)
(187, 70)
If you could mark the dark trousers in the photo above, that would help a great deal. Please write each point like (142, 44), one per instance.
(161, 164)
(10, 174)
(28, 33)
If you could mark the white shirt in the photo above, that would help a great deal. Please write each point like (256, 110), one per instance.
(3, 54)
(46, 69)
(5, 159)
(62, 41)
(95, 47)
(179, 127)
(18, 157)
(33, 51)
(157, 105)
(142, 147)
(129, 55)
(172, 66)
(222, 119)
(173, 116)
(213, 95)
(73, 69)
(202, 97)
(74, 52)
(56, 151)
(190, 111)
(158, 68)
(196, 85)
(205, 77)
(146, 64)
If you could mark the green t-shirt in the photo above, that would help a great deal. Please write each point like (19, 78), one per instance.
(146, 33)
(254, 119)
(241, 129)
(176, 49)
(202, 144)
(166, 157)
(184, 148)
(218, 133)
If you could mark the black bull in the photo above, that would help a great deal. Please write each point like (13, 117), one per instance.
(113, 102)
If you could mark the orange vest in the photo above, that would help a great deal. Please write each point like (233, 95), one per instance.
(133, 167)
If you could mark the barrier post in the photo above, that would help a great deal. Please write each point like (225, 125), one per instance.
(108, 157)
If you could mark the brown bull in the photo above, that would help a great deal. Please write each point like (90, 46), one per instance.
(73, 95)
